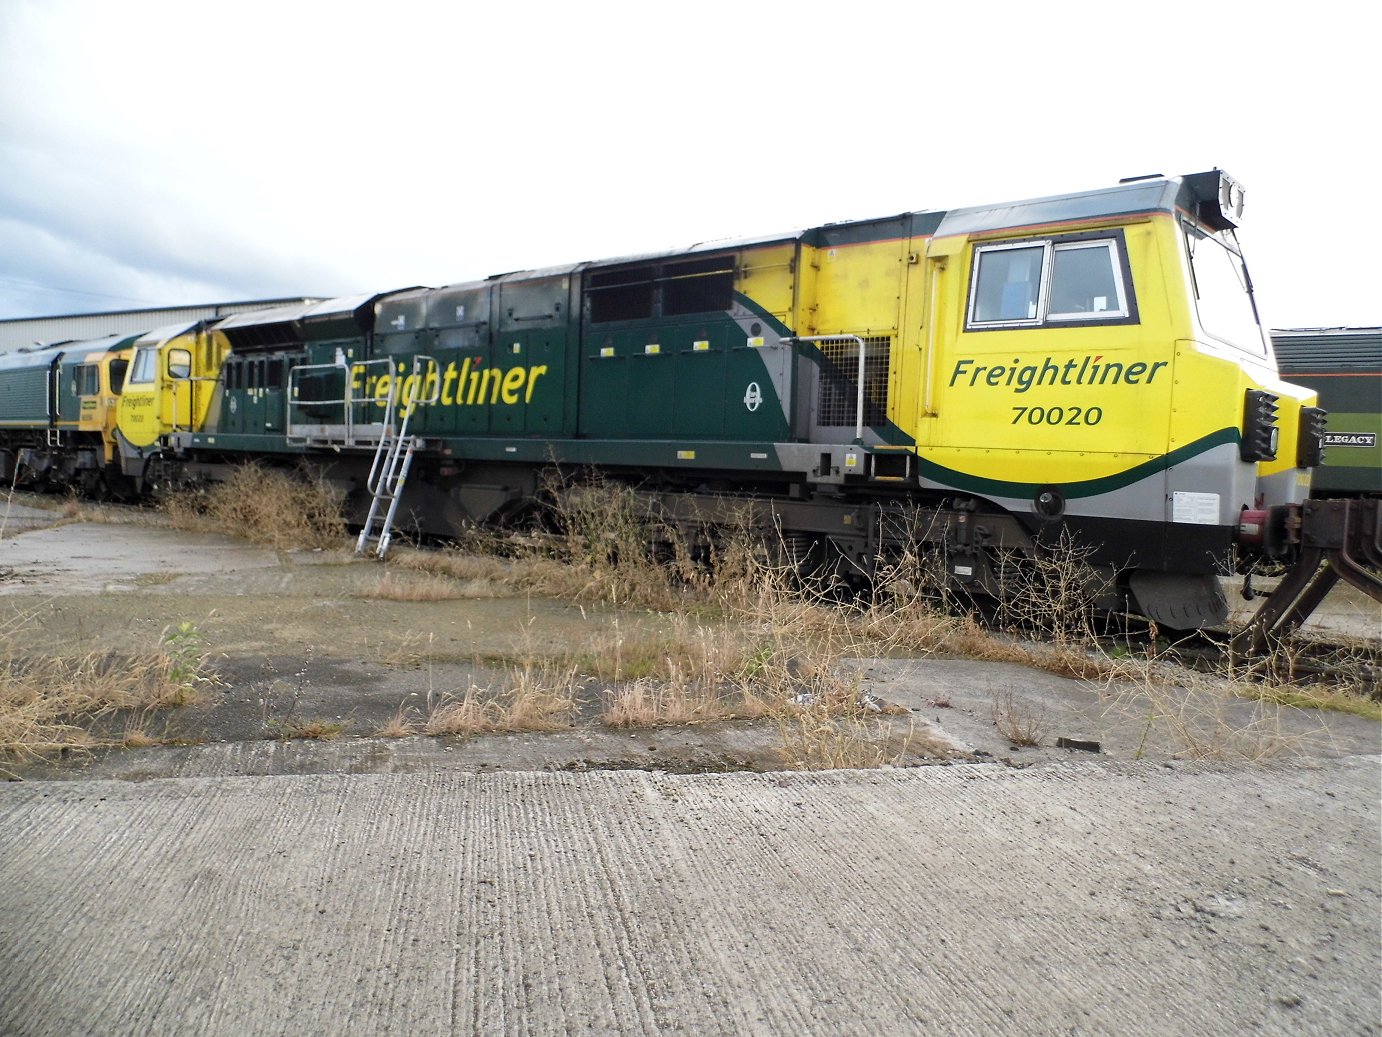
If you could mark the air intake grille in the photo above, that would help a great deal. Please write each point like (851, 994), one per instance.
(837, 395)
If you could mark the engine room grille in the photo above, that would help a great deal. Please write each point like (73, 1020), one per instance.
(837, 392)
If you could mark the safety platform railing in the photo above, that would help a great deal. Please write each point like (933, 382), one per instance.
(353, 408)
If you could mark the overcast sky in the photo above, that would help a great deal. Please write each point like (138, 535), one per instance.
(162, 153)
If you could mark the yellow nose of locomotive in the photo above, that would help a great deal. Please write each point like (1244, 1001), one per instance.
(169, 384)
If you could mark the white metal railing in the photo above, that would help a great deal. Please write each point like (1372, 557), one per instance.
(371, 373)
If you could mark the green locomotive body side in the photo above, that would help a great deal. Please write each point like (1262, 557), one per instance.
(27, 383)
(1344, 365)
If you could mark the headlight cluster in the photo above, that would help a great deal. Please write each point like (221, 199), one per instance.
(1260, 432)
(1310, 442)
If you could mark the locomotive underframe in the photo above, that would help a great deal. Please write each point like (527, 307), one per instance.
(43, 459)
(863, 530)
(851, 534)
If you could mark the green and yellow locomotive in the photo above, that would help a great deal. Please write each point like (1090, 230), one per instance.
(58, 414)
(986, 381)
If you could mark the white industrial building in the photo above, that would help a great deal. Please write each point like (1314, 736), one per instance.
(23, 332)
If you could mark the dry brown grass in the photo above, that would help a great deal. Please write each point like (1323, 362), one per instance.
(617, 546)
(408, 648)
(677, 700)
(138, 738)
(537, 696)
(813, 739)
(1021, 723)
(745, 640)
(390, 587)
(1210, 719)
(317, 730)
(606, 530)
(458, 563)
(678, 644)
(52, 703)
(788, 656)
(1322, 697)
(71, 510)
(401, 725)
(775, 646)
(279, 508)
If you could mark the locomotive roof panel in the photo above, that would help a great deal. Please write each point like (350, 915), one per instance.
(510, 276)
(21, 359)
(887, 228)
(326, 309)
(78, 344)
(161, 335)
(402, 311)
(253, 318)
(1124, 199)
(565, 270)
(287, 327)
(717, 245)
(106, 343)
(74, 350)
(462, 305)
(730, 244)
(1150, 194)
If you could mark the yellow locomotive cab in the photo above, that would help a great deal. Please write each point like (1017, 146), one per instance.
(169, 385)
(97, 384)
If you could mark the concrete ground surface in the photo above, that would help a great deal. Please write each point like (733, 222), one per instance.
(582, 883)
(1077, 898)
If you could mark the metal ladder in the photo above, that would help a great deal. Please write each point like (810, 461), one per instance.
(392, 459)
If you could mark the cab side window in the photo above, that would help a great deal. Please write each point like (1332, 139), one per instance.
(86, 380)
(1084, 281)
(179, 363)
(145, 364)
(1007, 284)
(1073, 279)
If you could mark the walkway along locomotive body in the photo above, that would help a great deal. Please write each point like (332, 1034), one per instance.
(986, 380)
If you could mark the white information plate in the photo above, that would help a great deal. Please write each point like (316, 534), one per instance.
(1196, 509)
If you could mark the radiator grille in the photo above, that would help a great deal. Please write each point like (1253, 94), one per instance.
(838, 390)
